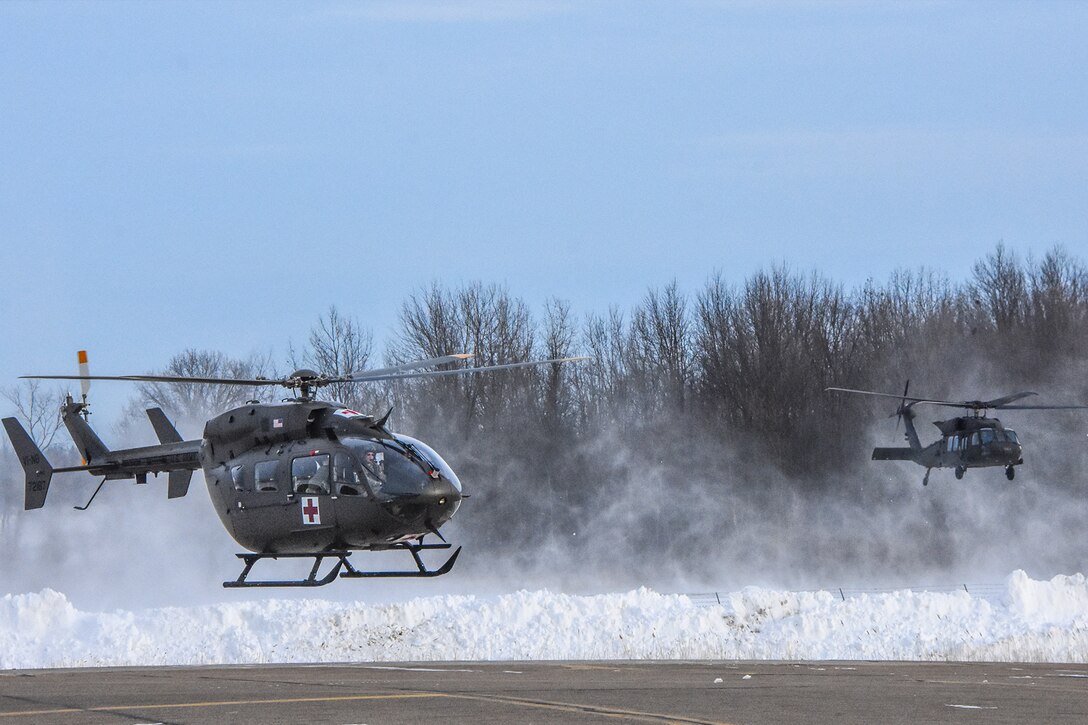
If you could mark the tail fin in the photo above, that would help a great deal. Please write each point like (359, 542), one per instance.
(35, 466)
(87, 441)
(164, 429)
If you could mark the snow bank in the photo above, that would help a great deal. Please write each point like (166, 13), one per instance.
(1031, 621)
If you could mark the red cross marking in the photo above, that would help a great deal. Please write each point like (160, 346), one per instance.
(309, 511)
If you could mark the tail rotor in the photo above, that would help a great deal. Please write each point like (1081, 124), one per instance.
(90, 446)
(84, 382)
(903, 407)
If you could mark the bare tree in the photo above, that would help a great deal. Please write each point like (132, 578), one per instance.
(482, 319)
(661, 343)
(1059, 302)
(431, 325)
(766, 353)
(606, 387)
(1000, 286)
(338, 345)
(191, 404)
(38, 407)
(559, 335)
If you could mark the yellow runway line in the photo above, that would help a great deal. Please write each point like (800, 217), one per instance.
(591, 710)
(587, 709)
(217, 703)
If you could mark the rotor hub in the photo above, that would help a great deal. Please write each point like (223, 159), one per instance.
(305, 380)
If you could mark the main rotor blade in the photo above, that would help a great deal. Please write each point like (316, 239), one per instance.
(390, 373)
(995, 404)
(466, 371)
(1000, 402)
(160, 379)
(1042, 407)
(896, 396)
(415, 364)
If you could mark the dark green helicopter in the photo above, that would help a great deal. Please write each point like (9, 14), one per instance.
(299, 479)
(968, 441)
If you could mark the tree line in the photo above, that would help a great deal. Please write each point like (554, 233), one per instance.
(693, 387)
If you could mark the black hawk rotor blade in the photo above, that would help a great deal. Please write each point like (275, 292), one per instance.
(1002, 403)
(897, 396)
(902, 406)
(1043, 407)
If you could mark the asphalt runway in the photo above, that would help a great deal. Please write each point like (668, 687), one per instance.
(844, 693)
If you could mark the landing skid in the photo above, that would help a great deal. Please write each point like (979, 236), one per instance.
(341, 568)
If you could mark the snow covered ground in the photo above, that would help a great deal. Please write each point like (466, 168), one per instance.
(1029, 621)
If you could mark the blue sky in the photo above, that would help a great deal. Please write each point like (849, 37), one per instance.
(215, 175)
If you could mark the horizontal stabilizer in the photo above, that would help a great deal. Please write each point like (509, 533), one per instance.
(893, 454)
(177, 484)
(35, 466)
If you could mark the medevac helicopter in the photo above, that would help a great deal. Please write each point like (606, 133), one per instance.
(968, 441)
(303, 478)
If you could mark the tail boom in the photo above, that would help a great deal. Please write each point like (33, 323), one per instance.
(179, 458)
(136, 462)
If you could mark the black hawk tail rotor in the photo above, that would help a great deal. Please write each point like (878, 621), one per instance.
(903, 406)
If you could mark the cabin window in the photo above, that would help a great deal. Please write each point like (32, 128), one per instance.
(986, 435)
(345, 476)
(310, 474)
(237, 475)
(265, 475)
(951, 444)
(974, 439)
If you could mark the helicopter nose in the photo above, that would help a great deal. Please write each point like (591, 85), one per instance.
(442, 500)
(1010, 450)
(440, 492)
(435, 501)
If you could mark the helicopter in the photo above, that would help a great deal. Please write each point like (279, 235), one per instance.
(967, 441)
(299, 479)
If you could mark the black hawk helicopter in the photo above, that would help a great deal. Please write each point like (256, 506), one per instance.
(303, 478)
(967, 441)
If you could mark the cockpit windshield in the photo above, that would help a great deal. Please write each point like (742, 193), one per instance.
(387, 468)
(430, 456)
